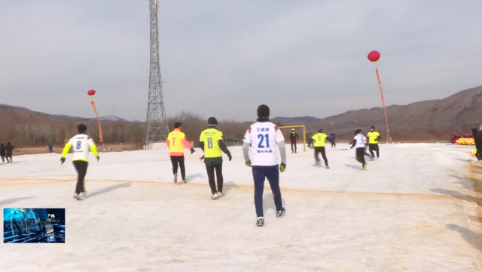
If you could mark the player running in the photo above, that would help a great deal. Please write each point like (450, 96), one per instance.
(81, 143)
(294, 139)
(175, 142)
(263, 137)
(212, 143)
(319, 143)
(373, 137)
(359, 142)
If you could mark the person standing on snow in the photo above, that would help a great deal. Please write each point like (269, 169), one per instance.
(373, 137)
(212, 144)
(2, 152)
(294, 139)
(263, 137)
(81, 144)
(319, 143)
(175, 142)
(9, 149)
(478, 144)
(333, 139)
(359, 142)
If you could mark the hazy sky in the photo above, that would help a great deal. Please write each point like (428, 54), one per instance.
(224, 58)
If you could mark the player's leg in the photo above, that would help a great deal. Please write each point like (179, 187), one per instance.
(377, 149)
(183, 169)
(272, 174)
(323, 155)
(296, 147)
(259, 176)
(359, 152)
(316, 151)
(219, 177)
(174, 167)
(212, 183)
(371, 147)
(292, 148)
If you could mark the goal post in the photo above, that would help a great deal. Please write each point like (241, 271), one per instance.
(304, 133)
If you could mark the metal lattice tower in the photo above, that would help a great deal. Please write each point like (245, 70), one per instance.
(156, 122)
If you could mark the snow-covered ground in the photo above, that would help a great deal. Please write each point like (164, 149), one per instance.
(419, 208)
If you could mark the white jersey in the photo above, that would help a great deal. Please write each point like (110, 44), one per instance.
(81, 144)
(263, 138)
(360, 141)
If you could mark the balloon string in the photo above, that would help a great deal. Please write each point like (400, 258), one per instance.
(98, 121)
(383, 100)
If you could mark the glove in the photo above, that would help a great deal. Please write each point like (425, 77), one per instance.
(248, 163)
(97, 158)
(282, 167)
(192, 150)
(229, 156)
(62, 160)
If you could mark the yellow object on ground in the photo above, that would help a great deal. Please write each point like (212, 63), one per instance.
(465, 141)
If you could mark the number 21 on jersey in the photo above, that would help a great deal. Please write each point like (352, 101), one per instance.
(263, 138)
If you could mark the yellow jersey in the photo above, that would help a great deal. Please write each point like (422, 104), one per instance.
(319, 139)
(373, 137)
(210, 137)
(176, 138)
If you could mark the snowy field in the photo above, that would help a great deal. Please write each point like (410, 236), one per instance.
(419, 208)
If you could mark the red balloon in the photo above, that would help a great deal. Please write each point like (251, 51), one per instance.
(91, 92)
(374, 56)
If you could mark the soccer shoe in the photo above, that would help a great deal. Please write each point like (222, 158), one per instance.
(365, 165)
(184, 181)
(220, 194)
(327, 167)
(76, 196)
(214, 196)
(260, 222)
(317, 163)
(80, 197)
(175, 178)
(281, 212)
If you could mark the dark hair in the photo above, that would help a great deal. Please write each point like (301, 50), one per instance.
(358, 131)
(177, 125)
(263, 111)
(81, 128)
(212, 121)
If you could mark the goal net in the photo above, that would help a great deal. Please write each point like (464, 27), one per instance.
(298, 129)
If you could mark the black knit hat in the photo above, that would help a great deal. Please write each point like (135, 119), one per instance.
(177, 125)
(372, 127)
(263, 111)
(212, 121)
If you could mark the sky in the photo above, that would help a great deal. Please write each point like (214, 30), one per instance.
(225, 58)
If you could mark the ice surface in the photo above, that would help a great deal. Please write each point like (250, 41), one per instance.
(419, 208)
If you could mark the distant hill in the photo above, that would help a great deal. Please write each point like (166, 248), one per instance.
(461, 110)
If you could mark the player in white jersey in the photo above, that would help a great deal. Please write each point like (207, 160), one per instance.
(262, 138)
(359, 141)
(81, 144)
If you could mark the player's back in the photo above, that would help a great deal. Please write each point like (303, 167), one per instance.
(319, 139)
(81, 144)
(211, 137)
(360, 141)
(263, 137)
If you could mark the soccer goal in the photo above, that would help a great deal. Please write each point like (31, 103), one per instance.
(304, 133)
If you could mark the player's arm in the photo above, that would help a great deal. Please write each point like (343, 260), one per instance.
(66, 149)
(280, 141)
(246, 146)
(186, 143)
(353, 144)
(201, 142)
(168, 141)
(93, 148)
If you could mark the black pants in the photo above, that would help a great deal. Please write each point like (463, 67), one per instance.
(81, 167)
(9, 156)
(321, 149)
(333, 143)
(293, 145)
(3, 158)
(375, 147)
(360, 155)
(178, 162)
(218, 168)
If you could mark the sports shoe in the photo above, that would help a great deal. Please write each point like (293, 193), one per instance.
(281, 212)
(76, 196)
(365, 165)
(175, 178)
(214, 196)
(184, 181)
(260, 222)
(327, 167)
(80, 197)
(220, 194)
(317, 163)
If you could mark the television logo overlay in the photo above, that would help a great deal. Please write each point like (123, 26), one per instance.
(33, 225)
